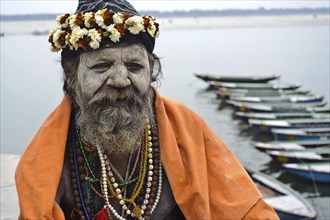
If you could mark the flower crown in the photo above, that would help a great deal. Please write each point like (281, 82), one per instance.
(88, 30)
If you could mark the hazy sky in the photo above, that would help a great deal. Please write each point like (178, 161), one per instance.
(69, 6)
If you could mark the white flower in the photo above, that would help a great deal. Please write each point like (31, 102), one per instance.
(58, 19)
(118, 18)
(67, 41)
(151, 30)
(56, 38)
(114, 33)
(72, 21)
(152, 27)
(54, 30)
(76, 34)
(99, 18)
(87, 17)
(135, 24)
(95, 39)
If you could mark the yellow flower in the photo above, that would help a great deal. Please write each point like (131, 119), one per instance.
(99, 18)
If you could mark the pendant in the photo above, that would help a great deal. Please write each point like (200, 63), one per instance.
(137, 212)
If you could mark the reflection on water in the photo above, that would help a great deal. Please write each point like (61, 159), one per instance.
(31, 83)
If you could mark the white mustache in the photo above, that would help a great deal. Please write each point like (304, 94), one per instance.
(113, 95)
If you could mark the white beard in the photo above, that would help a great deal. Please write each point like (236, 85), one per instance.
(117, 130)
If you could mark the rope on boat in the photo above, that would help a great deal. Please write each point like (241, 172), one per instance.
(315, 188)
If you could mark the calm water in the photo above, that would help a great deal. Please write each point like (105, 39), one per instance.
(31, 84)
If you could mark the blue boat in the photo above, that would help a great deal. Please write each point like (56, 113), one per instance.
(278, 99)
(291, 145)
(267, 125)
(313, 171)
(287, 203)
(278, 107)
(320, 154)
(280, 115)
(301, 133)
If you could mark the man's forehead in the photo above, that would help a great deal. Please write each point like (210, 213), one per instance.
(130, 51)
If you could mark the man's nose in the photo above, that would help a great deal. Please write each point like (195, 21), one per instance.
(118, 78)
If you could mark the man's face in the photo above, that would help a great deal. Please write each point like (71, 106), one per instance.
(117, 67)
(113, 95)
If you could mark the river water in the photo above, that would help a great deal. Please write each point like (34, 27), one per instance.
(31, 84)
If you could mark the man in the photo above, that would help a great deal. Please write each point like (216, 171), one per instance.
(114, 148)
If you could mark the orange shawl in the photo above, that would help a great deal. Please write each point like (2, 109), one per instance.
(207, 180)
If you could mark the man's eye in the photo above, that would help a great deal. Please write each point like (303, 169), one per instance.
(101, 67)
(133, 67)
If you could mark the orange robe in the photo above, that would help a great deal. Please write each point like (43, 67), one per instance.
(207, 180)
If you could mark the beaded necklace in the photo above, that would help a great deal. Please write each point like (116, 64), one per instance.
(145, 195)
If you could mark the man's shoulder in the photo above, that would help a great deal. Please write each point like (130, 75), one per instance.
(178, 112)
(173, 104)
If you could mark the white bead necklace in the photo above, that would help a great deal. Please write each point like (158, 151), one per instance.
(106, 169)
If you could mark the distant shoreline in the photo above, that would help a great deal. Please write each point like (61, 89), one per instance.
(190, 13)
(39, 27)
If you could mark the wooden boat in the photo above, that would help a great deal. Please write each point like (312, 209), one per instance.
(247, 79)
(287, 203)
(224, 93)
(278, 99)
(301, 133)
(280, 115)
(267, 125)
(320, 154)
(39, 32)
(275, 107)
(324, 109)
(277, 86)
(291, 145)
(314, 171)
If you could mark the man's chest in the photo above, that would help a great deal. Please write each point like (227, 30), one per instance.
(86, 193)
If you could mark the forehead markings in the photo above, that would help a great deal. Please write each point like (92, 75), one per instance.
(132, 53)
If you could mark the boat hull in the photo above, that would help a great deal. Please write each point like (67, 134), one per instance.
(289, 216)
(279, 99)
(309, 123)
(283, 115)
(286, 159)
(323, 177)
(268, 128)
(291, 145)
(276, 107)
(285, 201)
(252, 86)
(252, 79)
(290, 137)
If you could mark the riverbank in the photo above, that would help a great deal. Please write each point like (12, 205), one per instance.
(179, 23)
(9, 203)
